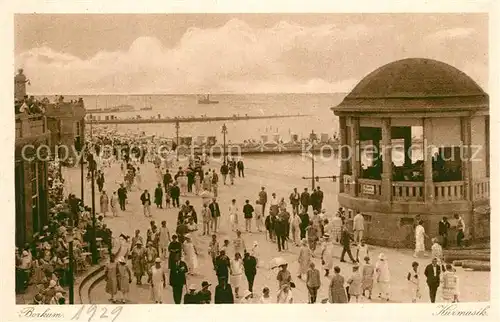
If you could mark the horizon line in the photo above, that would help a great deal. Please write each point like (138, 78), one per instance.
(182, 94)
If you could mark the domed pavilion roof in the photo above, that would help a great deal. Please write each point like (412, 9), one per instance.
(414, 84)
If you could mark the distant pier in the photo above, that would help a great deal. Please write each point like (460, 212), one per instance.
(191, 119)
(235, 149)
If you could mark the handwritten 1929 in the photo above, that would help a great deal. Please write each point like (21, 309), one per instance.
(97, 313)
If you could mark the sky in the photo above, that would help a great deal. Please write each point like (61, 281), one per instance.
(229, 53)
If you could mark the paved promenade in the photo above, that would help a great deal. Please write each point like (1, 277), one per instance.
(474, 286)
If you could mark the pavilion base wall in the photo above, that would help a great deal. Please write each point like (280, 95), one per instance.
(392, 224)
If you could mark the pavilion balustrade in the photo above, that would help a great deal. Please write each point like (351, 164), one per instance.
(407, 191)
(481, 189)
(449, 190)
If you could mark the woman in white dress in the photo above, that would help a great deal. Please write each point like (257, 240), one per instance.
(414, 282)
(236, 273)
(383, 277)
(190, 253)
(138, 178)
(158, 281)
(284, 295)
(124, 248)
(437, 251)
(419, 239)
(233, 215)
(304, 259)
(327, 254)
(104, 202)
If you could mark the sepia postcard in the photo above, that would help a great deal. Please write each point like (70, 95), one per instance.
(219, 153)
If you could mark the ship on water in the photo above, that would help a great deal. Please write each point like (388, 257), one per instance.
(114, 109)
(206, 100)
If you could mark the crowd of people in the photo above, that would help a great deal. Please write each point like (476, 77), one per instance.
(43, 263)
(298, 221)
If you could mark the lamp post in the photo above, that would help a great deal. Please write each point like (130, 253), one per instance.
(79, 149)
(92, 167)
(177, 126)
(224, 132)
(312, 138)
(71, 264)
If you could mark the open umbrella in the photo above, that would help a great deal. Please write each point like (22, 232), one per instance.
(278, 261)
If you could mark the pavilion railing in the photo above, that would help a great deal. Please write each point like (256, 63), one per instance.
(407, 191)
(481, 189)
(449, 191)
(369, 188)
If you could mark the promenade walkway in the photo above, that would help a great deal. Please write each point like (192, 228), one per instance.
(474, 285)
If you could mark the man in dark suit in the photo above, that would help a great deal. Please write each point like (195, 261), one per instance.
(175, 192)
(122, 196)
(433, 273)
(167, 180)
(146, 203)
(241, 168)
(215, 210)
(443, 228)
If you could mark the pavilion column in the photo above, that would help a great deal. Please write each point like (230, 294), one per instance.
(487, 144)
(386, 184)
(428, 181)
(466, 137)
(355, 157)
(343, 152)
(407, 143)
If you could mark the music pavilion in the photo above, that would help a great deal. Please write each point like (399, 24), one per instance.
(444, 172)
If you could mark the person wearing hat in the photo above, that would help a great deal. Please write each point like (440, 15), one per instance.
(38, 299)
(111, 278)
(177, 279)
(151, 255)
(223, 292)
(204, 295)
(122, 196)
(336, 290)
(354, 284)
(327, 254)
(246, 298)
(139, 261)
(345, 240)
(304, 259)
(358, 227)
(174, 247)
(284, 295)
(146, 203)
(158, 281)
(313, 282)
(433, 274)
(191, 297)
(437, 251)
(450, 286)
(124, 279)
(190, 254)
(383, 277)
(250, 268)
